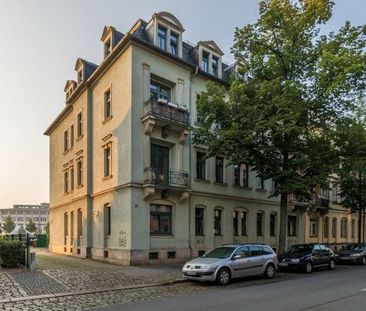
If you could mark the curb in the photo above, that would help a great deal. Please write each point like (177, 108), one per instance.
(92, 291)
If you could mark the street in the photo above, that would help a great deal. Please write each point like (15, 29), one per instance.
(342, 289)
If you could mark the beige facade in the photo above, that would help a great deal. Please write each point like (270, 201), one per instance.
(143, 193)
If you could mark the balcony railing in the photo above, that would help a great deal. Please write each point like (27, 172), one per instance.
(323, 202)
(166, 111)
(171, 178)
(317, 201)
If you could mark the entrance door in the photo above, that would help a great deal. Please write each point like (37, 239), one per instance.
(160, 164)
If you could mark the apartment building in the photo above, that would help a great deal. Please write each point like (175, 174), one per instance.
(126, 182)
(23, 213)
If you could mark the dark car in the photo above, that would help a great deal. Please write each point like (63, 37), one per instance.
(352, 253)
(306, 257)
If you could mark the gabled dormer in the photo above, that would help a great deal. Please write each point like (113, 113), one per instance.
(110, 38)
(210, 58)
(84, 70)
(70, 86)
(166, 32)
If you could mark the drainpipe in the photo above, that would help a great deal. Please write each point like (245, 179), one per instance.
(190, 159)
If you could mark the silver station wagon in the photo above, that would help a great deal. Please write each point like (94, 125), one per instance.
(232, 261)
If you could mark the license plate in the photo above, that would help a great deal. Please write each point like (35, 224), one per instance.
(191, 272)
(283, 264)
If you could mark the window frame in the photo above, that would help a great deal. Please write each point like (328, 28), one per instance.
(217, 222)
(174, 44)
(107, 160)
(162, 39)
(292, 225)
(107, 107)
(221, 160)
(201, 165)
(158, 93)
(159, 215)
(205, 61)
(259, 228)
(199, 221)
(79, 172)
(79, 125)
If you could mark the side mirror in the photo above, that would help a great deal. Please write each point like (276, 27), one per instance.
(236, 257)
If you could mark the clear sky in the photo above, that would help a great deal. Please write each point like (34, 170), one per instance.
(40, 42)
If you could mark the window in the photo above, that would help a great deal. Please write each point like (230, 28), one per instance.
(107, 161)
(219, 171)
(236, 175)
(217, 220)
(80, 124)
(243, 223)
(79, 172)
(215, 66)
(334, 227)
(162, 37)
(174, 43)
(291, 225)
(80, 76)
(199, 220)
(66, 228)
(72, 227)
(272, 224)
(235, 223)
(245, 169)
(313, 227)
(200, 165)
(353, 228)
(107, 47)
(259, 224)
(72, 135)
(66, 141)
(326, 227)
(344, 228)
(160, 219)
(80, 223)
(72, 178)
(204, 61)
(66, 181)
(260, 183)
(107, 104)
(199, 118)
(107, 220)
(159, 91)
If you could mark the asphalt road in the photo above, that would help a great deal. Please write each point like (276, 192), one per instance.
(341, 289)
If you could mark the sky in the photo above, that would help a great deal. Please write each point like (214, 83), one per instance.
(40, 41)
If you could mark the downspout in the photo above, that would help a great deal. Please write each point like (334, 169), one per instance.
(190, 160)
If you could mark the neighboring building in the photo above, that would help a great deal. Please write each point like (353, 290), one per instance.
(126, 182)
(22, 213)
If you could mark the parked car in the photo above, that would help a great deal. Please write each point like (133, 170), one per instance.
(232, 261)
(352, 253)
(306, 257)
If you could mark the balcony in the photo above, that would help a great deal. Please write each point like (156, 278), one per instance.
(166, 115)
(172, 178)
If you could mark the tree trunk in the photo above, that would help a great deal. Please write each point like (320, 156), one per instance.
(283, 225)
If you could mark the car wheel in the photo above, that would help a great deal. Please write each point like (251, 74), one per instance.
(223, 276)
(363, 261)
(331, 264)
(270, 271)
(308, 267)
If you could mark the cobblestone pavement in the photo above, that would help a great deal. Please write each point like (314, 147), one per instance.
(9, 288)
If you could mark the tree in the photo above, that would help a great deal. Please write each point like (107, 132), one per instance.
(31, 226)
(8, 225)
(351, 173)
(47, 228)
(280, 119)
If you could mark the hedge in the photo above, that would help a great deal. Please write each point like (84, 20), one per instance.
(12, 253)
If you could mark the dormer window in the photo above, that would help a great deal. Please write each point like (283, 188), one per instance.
(215, 66)
(162, 37)
(80, 76)
(174, 43)
(107, 48)
(205, 61)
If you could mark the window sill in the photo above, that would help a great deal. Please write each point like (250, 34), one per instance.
(79, 186)
(107, 119)
(66, 152)
(107, 177)
(205, 181)
(79, 137)
(162, 235)
(219, 236)
(223, 184)
(242, 187)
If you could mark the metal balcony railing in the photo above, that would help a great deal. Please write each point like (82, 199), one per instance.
(167, 112)
(171, 178)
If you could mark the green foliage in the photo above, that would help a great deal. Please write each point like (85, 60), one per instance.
(47, 228)
(282, 119)
(8, 225)
(31, 226)
(12, 253)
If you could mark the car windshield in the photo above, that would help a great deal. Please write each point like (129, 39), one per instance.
(220, 252)
(300, 249)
